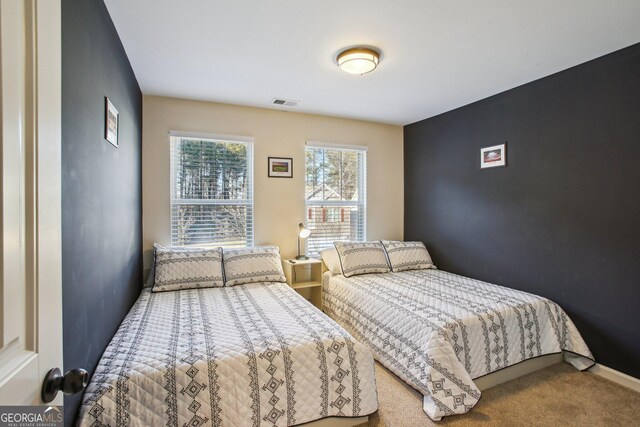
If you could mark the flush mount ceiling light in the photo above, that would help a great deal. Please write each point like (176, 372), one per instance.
(358, 60)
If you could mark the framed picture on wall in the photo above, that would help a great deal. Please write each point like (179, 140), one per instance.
(491, 157)
(280, 167)
(111, 123)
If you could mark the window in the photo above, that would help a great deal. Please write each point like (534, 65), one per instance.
(211, 191)
(335, 195)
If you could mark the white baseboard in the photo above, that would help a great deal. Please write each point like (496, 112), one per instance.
(616, 376)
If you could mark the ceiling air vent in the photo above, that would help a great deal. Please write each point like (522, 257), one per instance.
(284, 102)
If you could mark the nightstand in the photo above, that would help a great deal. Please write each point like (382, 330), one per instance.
(305, 276)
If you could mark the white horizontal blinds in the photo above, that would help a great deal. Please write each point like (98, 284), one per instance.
(211, 192)
(335, 195)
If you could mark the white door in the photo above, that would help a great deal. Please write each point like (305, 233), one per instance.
(30, 220)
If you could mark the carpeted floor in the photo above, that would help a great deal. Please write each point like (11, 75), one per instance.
(556, 396)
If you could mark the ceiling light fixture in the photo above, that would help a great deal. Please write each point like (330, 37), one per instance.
(358, 60)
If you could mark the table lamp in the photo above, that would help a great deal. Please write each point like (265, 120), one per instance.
(303, 233)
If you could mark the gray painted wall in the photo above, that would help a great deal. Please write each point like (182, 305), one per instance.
(101, 187)
(562, 220)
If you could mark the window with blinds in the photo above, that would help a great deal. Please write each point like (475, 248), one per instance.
(335, 195)
(211, 192)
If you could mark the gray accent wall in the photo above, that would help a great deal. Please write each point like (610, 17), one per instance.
(101, 187)
(562, 220)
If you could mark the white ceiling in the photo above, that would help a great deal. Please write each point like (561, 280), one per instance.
(436, 55)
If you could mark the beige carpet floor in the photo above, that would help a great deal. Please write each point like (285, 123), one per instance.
(555, 396)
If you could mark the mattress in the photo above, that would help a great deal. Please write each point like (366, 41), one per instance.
(438, 331)
(248, 355)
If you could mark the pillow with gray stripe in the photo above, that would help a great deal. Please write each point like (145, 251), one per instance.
(361, 258)
(252, 265)
(187, 268)
(405, 256)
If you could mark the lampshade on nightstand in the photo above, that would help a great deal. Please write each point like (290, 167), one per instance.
(303, 233)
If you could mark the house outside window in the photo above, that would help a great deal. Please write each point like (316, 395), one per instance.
(335, 194)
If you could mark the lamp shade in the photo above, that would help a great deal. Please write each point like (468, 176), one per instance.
(303, 231)
(359, 60)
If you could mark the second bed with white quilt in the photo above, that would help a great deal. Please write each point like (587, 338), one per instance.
(438, 331)
(248, 355)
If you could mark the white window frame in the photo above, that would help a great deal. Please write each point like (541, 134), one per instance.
(174, 137)
(362, 186)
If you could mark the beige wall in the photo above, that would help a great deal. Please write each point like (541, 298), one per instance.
(278, 203)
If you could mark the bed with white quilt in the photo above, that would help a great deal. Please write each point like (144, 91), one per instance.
(238, 354)
(439, 331)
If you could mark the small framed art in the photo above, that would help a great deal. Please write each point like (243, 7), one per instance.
(111, 123)
(280, 167)
(491, 157)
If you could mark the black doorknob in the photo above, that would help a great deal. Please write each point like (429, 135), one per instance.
(73, 381)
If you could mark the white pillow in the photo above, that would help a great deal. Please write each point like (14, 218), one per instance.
(252, 265)
(330, 258)
(362, 258)
(187, 268)
(151, 276)
(405, 256)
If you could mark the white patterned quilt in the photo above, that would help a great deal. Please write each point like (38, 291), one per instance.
(437, 331)
(248, 355)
